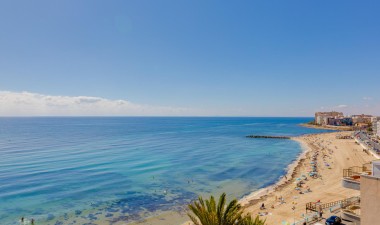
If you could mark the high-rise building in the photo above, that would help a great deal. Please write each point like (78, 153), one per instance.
(322, 118)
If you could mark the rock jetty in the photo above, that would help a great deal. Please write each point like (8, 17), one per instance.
(266, 136)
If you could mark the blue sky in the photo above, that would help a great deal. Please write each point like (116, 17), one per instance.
(248, 58)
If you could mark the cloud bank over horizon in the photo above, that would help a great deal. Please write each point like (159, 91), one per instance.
(34, 104)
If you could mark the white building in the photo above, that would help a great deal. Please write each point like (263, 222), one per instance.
(374, 124)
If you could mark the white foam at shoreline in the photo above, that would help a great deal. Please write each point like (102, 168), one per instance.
(282, 180)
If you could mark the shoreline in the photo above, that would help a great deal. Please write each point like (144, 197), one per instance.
(327, 127)
(340, 153)
(261, 194)
(283, 187)
(283, 180)
(251, 198)
(332, 155)
(179, 216)
(285, 201)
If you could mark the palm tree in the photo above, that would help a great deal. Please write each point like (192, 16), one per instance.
(248, 220)
(209, 213)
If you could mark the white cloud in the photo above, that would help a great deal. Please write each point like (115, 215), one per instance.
(33, 104)
(367, 98)
(358, 108)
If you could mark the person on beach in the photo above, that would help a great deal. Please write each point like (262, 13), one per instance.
(262, 206)
(282, 201)
(320, 211)
(32, 221)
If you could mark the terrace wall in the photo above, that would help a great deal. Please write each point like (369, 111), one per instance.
(370, 200)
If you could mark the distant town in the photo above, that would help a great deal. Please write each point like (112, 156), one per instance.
(355, 122)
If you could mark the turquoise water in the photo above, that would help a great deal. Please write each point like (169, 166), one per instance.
(122, 169)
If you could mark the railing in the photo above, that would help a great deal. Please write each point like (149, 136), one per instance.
(354, 171)
(311, 206)
(317, 206)
(367, 166)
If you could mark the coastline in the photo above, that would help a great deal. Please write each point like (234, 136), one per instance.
(332, 156)
(284, 186)
(247, 200)
(259, 195)
(337, 153)
(327, 127)
(287, 167)
(283, 180)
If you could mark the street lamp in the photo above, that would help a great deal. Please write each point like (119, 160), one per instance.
(294, 212)
(294, 215)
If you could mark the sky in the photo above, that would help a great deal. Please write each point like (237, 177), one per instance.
(189, 58)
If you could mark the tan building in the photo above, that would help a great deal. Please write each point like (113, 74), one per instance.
(365, 178)
(370, 196)
(322, 118)
(361, 125)
(362, 119)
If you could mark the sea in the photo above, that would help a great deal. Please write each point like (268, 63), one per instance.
(90, 170)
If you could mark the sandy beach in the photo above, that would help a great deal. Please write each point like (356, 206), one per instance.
(332, 156)
(328, 127)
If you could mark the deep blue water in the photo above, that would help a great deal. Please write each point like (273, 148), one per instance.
(57, 169)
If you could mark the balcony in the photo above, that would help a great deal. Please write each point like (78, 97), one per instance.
(351, 213)
(351, 176)
(349, 209)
